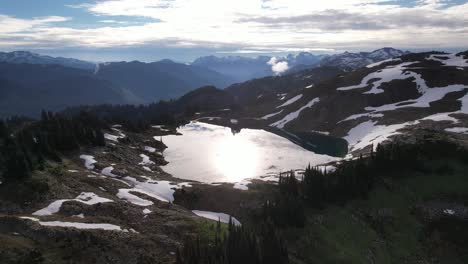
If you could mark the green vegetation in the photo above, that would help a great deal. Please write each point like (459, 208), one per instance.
(391, 215)
(27, 147)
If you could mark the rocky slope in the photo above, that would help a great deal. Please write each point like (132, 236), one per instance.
(104, 204)
(352, 61)
(365, 106)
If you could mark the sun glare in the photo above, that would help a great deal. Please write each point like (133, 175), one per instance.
(236, 158)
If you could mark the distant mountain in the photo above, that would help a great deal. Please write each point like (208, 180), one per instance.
(25, 89)
(352, 61)
(246, 68)
(162, 80)
(19, 57)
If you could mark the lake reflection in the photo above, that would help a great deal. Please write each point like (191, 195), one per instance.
(210, 153)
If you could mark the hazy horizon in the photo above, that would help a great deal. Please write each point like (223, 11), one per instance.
(182, 30)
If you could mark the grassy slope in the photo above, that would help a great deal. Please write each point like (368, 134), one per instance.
(385, 228)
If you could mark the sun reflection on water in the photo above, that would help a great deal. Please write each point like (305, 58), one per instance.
(236, 158)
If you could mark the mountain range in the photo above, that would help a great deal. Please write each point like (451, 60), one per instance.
(57, 83)
(365, 107)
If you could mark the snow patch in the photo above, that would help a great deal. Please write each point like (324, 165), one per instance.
(368, 133)
(382, 62)
(150, 149)
(463, 130)
(272, 115)
(449, 59)
(108, 227)
(222, 217)
(291, 116)
(88, 198)
(146, 160)
(449, 212)
(89, 161)
(160, 190)
(291, 101)
(384, 76)
(107, 171)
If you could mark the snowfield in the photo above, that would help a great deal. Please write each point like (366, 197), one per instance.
(449, 60)
(368, 133)
(396, 72)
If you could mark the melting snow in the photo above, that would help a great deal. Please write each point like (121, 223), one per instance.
(368, 133)
(290, 101)
(291, 116)
(272, 115)
(88, 198)
(111, 137)
(310, 86)
(150, 149)
(450, 59)
(234, 121)
(89, 161)
(463, 130)
(384, 76)
(224, 218)
(146, 160)
(108, 172)
(160, 190)
(382, 62)
(431, 95)
(147, 211)
(108, 227)
(449, 211)
(321, 132)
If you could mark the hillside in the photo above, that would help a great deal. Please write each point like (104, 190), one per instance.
(28, 88)
(161, 80)
(365, 106)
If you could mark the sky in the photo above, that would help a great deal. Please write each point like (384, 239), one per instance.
(182, 30)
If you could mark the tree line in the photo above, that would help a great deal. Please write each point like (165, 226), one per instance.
(26, 147)
(352, 179)
(239, 245)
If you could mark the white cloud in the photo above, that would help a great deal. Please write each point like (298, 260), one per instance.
(253, 26)
(278, 67)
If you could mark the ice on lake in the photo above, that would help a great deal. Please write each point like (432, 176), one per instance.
(211, 153)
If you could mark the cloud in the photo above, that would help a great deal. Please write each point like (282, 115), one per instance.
(251, 26)
(278, 67)
(13, 25)
(338, 20)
